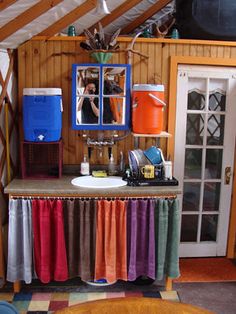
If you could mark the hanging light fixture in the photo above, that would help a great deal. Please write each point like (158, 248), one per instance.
(102, 7)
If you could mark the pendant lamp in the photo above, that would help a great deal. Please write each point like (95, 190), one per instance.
(102, 7)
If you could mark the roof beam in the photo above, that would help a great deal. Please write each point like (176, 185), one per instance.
(145, 16)
(69, 18)
(26, 17)
(6, 3)
(120, 10)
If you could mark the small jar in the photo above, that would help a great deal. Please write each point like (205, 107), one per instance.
(71, 31)
(168, 170)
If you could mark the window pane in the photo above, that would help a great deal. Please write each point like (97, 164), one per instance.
(209, 227)
(196, 100)
(193, 163)
(217, 101)
(213, 163)
(211, 197)
(194, 130)
(189, 228)
(191, 196)
(215, 129)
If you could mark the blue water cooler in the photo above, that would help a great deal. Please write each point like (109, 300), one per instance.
(42, 114)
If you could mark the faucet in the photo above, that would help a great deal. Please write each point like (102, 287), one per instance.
(121, 162)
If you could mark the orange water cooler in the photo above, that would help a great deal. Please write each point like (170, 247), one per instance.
(147, 108)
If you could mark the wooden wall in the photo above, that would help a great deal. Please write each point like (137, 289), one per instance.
(44, 62)
(48, 62)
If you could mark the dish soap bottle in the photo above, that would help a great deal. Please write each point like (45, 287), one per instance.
(111, 166)
(84, 167)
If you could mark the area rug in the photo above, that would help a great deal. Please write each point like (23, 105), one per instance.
(207, 270)
(32, 303)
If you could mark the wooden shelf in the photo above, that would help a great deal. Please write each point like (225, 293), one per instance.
(162, 134)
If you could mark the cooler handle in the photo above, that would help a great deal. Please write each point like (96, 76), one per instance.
(158, 99)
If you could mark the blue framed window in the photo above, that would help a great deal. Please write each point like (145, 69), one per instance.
(100, 96)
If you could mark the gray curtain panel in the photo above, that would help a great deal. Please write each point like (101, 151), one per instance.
(20, 247)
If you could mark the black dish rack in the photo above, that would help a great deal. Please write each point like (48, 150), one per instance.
(134, 181)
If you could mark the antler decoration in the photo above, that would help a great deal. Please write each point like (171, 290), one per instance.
(161, 34)
(101, 42)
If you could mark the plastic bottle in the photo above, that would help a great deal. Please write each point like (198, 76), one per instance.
(111, 166)
(84, 167)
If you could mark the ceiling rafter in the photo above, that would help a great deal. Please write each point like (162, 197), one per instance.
(6, 3)
(120, 10)
(145, 16)
(26, 17)
(69, 18)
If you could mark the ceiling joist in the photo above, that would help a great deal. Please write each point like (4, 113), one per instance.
(6, 3)
(120, 10)
(26, 17)
(69, 18)
(145, 16)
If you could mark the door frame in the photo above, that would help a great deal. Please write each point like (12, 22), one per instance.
(205, 61)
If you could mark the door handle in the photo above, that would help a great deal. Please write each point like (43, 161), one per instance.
(227, 175)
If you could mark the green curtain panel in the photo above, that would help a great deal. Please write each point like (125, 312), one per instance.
(167, 218)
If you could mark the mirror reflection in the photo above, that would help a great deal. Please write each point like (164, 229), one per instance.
(100, 93)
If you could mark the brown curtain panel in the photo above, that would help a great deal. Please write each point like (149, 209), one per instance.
(80, 227)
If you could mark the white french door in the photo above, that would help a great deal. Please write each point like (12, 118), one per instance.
(204, 156)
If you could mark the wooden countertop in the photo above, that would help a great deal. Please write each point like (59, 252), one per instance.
(63, 187)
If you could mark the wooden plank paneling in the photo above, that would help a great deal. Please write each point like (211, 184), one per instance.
(45, 64)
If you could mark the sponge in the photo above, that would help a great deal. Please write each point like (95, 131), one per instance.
(99, 173)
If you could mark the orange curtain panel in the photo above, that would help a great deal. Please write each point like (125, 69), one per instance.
(111, 250)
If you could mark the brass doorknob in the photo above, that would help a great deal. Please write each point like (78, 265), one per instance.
(227, 175)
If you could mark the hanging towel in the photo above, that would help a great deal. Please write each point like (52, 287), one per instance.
(49, 240)
(141, 239)
(80, 224)
(20, 247)
(111, 251)
(167, 238)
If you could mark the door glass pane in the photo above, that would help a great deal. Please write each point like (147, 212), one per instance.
(194, 130)
(215, 129)
(196, 100)
(217, 101)
(213, 163)
(193, 163)
(191, 196)
(189, 228)
(209, 227)
(211, 196)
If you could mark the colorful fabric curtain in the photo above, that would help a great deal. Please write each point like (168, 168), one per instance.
(110, 239)
(49, 240)
(20, 247)
(167, 219)
(80, 228)
(111, 250)
(141, 238)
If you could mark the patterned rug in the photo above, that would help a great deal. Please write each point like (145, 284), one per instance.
(42, 303)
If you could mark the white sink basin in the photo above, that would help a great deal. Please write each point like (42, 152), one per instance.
(99, 183)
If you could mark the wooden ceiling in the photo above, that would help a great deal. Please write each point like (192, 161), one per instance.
(41, 7)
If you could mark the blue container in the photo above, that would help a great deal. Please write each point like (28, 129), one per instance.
(42, 114)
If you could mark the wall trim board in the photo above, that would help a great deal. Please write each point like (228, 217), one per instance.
(174, 62)
(145, 40)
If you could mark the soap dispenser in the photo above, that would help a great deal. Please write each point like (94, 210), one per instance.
(111, 166)
(84, 167)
